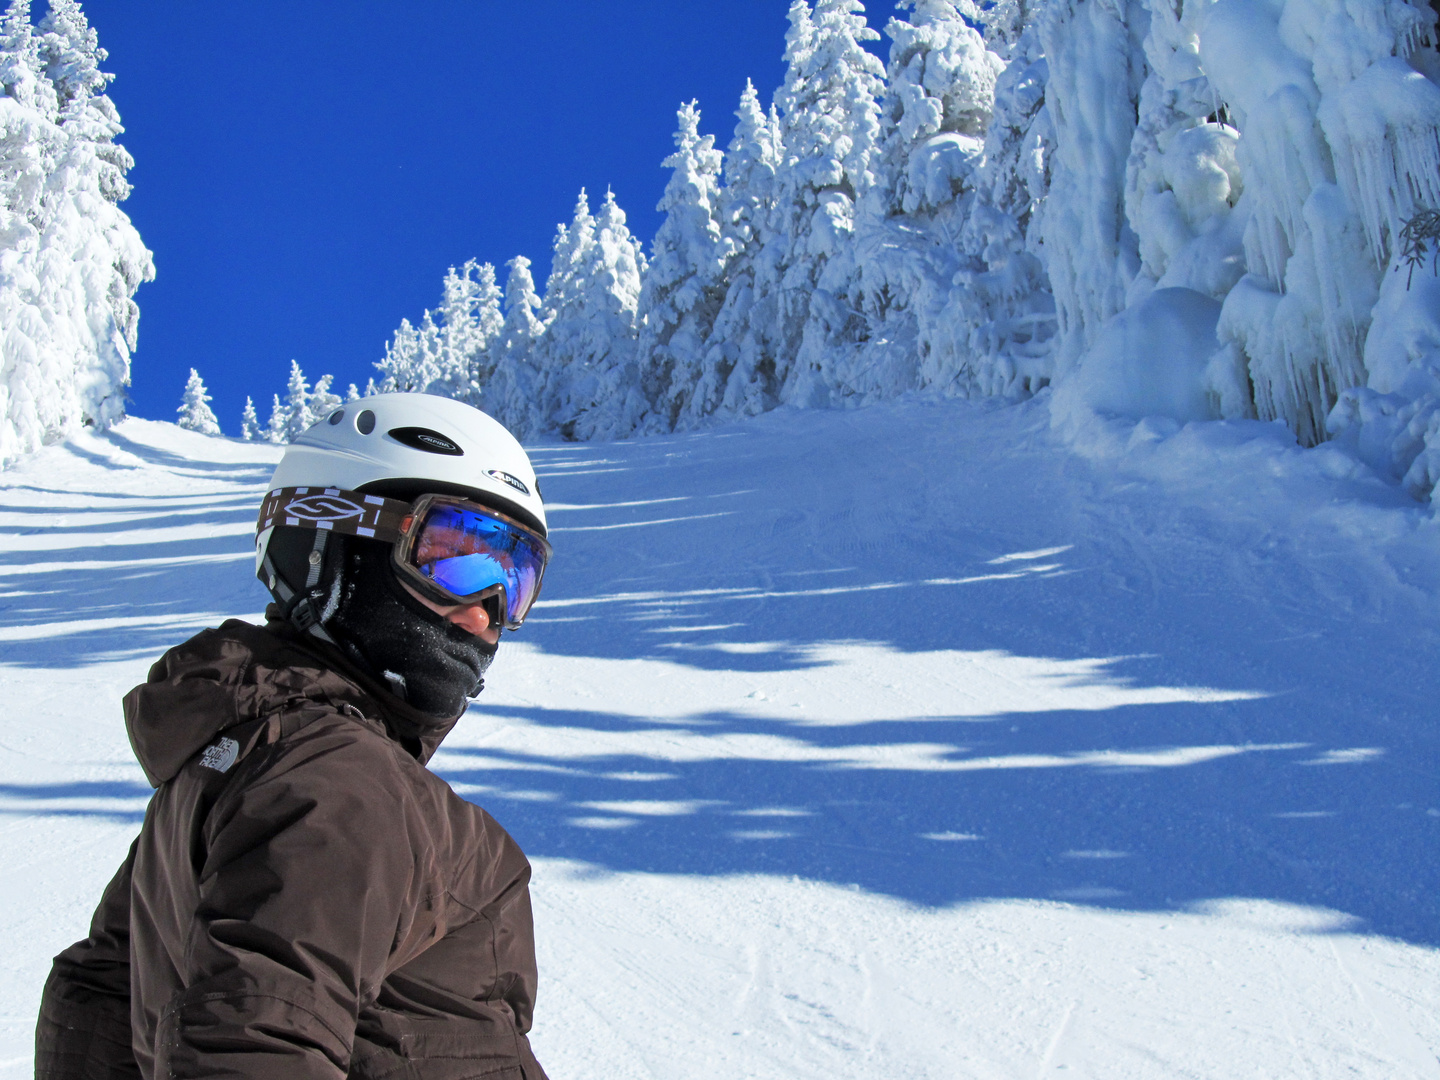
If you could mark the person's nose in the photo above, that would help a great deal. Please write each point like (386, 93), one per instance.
(471, 618)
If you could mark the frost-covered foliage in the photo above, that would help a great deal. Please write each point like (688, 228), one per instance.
(512, 392)
(1193, 209)
(735, 351)
(250, 429)
(587, 379)
(70, 261)
(449, 353)
(195, 413)
(935, 111)
(684, 286)
(995, 334)
(829, 134)
(1274, 154)
(302, 406)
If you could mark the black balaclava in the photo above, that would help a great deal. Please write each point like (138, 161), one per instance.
(427, 661)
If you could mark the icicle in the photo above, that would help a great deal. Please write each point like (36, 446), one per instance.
(1385, 130)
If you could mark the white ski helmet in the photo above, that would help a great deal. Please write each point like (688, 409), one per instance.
(405, 445)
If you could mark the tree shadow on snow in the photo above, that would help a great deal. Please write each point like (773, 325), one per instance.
(97, 600)
(1326, 796)
(1017, 805)
(121, 801)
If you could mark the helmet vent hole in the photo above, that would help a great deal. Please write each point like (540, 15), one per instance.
(365, 422)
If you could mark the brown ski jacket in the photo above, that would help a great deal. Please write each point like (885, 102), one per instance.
(305, 899)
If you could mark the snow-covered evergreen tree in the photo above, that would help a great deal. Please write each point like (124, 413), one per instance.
(935, 110)
(469, 322)
(72, 260)
(1095, 70)
(735, 351)
(936, 107)
(250, 429)
(589, 313)
(277, 430)
(683, 288)
(588, 348)
(1331, 165)
(511, 394)
(995, 332)
(298, 416)
(829, 117)
(322, 400)
(449, 352)
(194, 411)
(412, 358)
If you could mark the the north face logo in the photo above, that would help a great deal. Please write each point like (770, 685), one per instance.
(221, 755)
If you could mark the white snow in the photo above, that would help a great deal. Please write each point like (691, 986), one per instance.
(892, 742)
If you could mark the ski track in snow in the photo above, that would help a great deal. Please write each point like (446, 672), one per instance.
(894, 742)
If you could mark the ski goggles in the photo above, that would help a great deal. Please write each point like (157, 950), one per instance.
(451, 550)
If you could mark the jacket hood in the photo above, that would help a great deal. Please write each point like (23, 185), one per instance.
(241, 672)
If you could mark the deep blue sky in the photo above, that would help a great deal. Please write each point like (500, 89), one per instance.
(306, 172)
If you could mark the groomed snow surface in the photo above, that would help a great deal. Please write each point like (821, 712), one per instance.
(904, 742)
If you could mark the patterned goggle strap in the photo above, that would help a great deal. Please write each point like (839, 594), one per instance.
(334, 510)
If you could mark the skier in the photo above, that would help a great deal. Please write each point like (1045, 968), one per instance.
(306, 899)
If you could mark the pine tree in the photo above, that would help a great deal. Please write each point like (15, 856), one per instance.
(511, 396)
(322, 401)
(934, 113)
(195, 412)
(37, 398)
(411, 358)
(115, 262)
(593, 339)
(250, 423)
(683, 287)
(1091, 253)
(297, 403)
(940, 90)
(22, 72)
(72, 57)
(829, 117)
(277, 430)
(73, 260)
(352, 393)
(734, 375)
(567, 261)
(561, 309)
(995, 335)
(469, 321)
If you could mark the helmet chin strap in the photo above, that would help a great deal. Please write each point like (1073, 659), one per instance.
(300, 608)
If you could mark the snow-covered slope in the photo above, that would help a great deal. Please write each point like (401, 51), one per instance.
(892, 742)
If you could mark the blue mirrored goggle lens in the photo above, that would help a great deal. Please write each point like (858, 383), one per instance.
(466, 552)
